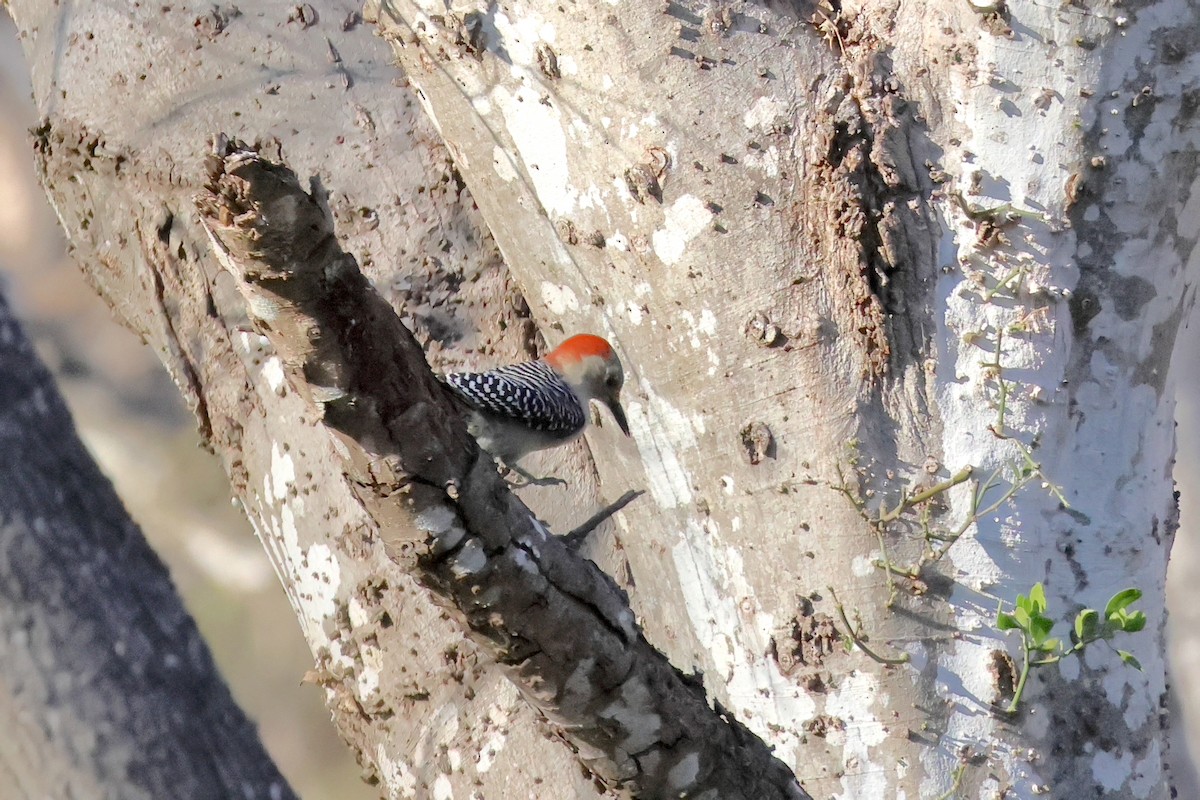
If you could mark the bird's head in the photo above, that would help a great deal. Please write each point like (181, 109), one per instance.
(591, 367)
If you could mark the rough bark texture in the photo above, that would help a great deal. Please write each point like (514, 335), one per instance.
(792, 223)
(122, 177)
(106, 688)
(560, 628)
(795, 225)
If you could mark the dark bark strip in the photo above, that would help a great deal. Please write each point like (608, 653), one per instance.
(106, 688)
(560, 627)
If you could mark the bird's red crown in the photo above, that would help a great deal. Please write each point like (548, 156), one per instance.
(578, 348)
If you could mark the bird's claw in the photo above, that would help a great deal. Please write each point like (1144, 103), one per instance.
(532, 480)
(549, 480)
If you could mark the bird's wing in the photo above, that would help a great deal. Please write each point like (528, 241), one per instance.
(531, 393)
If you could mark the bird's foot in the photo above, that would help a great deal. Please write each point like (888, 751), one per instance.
(576, 537)
(533, 480)
(549, 480)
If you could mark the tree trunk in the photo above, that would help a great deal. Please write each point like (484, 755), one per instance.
(891, 285)
(108, 691)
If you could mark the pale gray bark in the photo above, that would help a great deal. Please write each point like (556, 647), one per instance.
(561, 630)
(106, 688)
(786, 220)
(414, 697)
(881, 239)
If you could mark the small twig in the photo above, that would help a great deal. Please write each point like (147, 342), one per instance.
(953, 790)
(576, 536)
(925, 494)
(854, 637)
(1036, 468)
(833, 26)
(1002, 284)
(998, 427)
(1004, 214)
(885, 561)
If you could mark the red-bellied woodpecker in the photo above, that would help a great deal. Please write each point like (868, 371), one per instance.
(514, 410)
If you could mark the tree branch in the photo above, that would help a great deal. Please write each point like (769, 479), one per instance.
(561, 627)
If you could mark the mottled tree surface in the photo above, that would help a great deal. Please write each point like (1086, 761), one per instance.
(106, 688)
(848, 254)
(560, 628)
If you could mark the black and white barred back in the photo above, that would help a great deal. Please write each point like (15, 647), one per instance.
(531, 393)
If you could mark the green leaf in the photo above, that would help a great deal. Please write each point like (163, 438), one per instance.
(1051, 645)
(1040, 629)
(1024, 604)
(1024, 622)
(1087, 623)
(1122, 600)
(1133, 621)
(1129, 659)
(1037, 596)
(1006, 622)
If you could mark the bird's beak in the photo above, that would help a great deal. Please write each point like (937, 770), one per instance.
(614, 405)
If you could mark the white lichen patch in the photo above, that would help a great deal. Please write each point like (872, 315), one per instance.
(436, 733)
(559, 299)
(252, 342)
(964, 683)
(703, 325)
(853, 704)
(683, 220)
(469, 560)
(502, 165)
(567, 64)
(765, 160)
(273, 374)
(1110, 770)
(319, 577)
(395, 773)
(436, 519)
(369, 668)
(766, 114)
(521, 37)
(862, 566)
(642, 727)
(618, 241)
(662, 434)
(357, 612)
(1146, 771)
(496, 723)
(634, 311)
(735, 631)
(287, 530)
(282, 475)
(443, 789)
(538, 133)
(524, 562)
